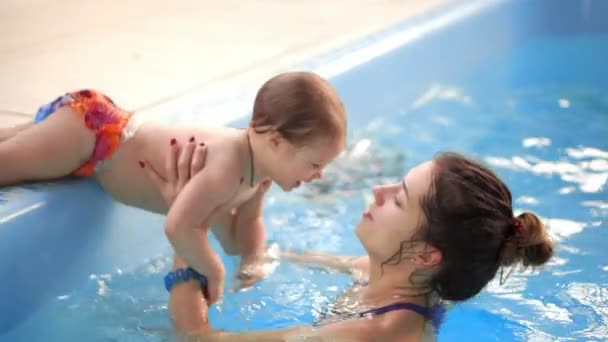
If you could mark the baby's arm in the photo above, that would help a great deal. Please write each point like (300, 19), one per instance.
(250, 236)
(187, 224)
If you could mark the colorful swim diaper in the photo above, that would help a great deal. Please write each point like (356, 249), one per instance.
(100, 115)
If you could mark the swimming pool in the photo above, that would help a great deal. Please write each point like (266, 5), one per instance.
(522, 85)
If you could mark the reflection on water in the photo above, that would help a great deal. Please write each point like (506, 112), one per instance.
(592, 300)
(589, 175)
(442, 92)
(536, 142)
(362, 165)
(526, 200)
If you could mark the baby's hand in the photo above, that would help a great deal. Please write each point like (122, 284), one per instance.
(250, 274)
(259, 268)
(215, 289)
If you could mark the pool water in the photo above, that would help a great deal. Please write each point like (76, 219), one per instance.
(536, 113)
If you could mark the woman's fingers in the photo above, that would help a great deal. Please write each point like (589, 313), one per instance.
(171, 162)
(154, 176)
(184, 162)
(198, 159)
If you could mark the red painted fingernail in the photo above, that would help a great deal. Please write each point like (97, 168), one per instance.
(191, 139)
(173, 141)
(201, 144)
(141, 164)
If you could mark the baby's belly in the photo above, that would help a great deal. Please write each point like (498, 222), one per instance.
(127, 182)
(133, 191)
(224, 231)
(147, 197)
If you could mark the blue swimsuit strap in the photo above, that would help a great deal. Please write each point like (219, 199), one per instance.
(424, 311)
(435, 314)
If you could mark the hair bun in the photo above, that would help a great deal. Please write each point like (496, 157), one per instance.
(532, 241)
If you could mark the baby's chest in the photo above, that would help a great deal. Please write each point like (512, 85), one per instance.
(232, 206)
(227, 224)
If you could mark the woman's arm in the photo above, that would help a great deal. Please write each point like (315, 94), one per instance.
(189, 313)
(358, 267)
(187, 305)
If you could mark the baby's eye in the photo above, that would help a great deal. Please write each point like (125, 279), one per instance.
(315, 165)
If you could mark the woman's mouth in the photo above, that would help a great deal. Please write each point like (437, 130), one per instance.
(368, 215)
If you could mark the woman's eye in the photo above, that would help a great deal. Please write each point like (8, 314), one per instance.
(397, 203)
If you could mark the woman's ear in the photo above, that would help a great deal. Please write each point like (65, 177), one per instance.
(429, 257)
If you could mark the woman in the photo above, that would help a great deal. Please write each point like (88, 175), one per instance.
(440, 234)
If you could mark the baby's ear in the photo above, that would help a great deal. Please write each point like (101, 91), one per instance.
(274, 139)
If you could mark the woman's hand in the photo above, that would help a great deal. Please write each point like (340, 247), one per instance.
(182, 163)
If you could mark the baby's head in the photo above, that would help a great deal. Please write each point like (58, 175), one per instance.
(302, 122)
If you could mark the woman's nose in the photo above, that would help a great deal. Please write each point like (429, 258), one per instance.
(378, 196)
(316, 175)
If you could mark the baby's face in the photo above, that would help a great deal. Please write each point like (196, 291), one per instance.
(299, 164)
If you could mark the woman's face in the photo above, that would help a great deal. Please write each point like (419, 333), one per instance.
(395, 214)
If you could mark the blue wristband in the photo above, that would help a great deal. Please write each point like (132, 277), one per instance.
(182, 275)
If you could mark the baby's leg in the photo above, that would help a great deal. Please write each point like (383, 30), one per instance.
(50, 149)
(9, 132)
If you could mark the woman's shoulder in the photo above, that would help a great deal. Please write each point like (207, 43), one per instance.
(403, 325)
(393, 326)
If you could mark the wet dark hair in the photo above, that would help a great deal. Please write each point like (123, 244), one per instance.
(468, 216)
(301, 107)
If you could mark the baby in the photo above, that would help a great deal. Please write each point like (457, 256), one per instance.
(298, 126)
